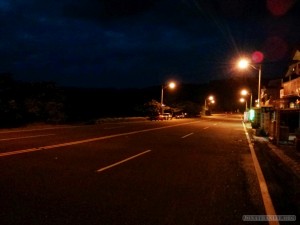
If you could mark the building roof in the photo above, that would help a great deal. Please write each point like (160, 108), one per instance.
(297, 56)
(295, 67)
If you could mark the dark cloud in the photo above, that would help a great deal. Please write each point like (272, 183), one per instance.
(107, 9)
(136, 43)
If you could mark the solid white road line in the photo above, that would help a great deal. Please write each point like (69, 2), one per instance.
(269, 207)
(122, 161)
(187, 135)
(37, 129)
(17, 138)
(88, 140)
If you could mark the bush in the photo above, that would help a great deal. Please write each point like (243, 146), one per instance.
(255, 125)
(261, 132)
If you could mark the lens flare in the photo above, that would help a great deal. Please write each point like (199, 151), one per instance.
(257, 57)
(279, 7)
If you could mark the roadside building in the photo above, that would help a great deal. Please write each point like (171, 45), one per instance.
(283, 113)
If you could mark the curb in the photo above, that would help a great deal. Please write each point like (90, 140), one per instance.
(291, 164)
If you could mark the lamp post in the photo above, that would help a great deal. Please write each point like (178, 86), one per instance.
(244, 92)
(211, 100)
(243, 64)
(244, 100)
(170, 85)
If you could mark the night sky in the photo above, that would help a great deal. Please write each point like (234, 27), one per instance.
(141, 43)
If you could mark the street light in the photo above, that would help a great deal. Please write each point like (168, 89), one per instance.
(243, 64)
(211, 100)
(244, 100)
(244, 92)
(170, 85)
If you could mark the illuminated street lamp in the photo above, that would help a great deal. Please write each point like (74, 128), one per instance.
(244, 92)
(208, 101)
(211, 100)
(244, 100)
(170, 85)
(243, 64)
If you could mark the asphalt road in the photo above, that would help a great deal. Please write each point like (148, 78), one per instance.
(187, 171)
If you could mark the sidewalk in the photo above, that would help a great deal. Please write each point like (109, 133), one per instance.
(286, 153)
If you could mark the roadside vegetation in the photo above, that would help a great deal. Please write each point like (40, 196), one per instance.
(23, 103)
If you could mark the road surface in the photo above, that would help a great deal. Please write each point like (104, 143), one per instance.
(186, 171)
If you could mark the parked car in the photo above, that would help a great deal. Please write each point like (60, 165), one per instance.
(167, 116)
(164, 116)
(180, 116)
(156, 117)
